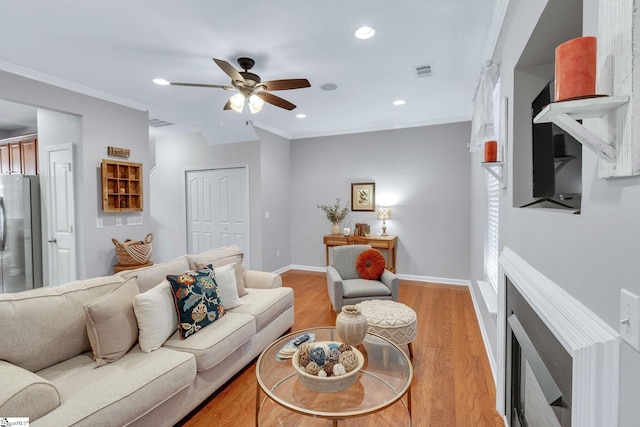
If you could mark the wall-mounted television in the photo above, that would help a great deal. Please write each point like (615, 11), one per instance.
(557, 158)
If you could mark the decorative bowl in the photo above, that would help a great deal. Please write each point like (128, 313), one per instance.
(329, 384)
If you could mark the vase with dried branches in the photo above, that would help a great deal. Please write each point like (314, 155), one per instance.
(335, 214)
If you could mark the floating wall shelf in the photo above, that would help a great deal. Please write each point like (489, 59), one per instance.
(567, 113)
(497, 170)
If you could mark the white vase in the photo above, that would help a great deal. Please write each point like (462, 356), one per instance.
(351, 325)
(335, 229)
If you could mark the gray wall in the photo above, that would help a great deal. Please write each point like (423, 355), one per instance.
(421, 172)
(174, 155)
(103, 124)
(592, 255)
(275, 171)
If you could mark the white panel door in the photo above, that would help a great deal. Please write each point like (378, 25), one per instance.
(217, 209)
(60, 206)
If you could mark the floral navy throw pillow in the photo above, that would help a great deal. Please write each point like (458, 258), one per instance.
(196, 300)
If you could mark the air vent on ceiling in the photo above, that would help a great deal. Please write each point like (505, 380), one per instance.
(157, 123)
(424, 70)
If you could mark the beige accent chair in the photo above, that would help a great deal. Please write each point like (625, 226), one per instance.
(345, 285)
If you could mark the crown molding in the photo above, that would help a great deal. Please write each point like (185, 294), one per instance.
(65, 84)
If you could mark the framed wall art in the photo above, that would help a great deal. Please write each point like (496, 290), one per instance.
(363, 196)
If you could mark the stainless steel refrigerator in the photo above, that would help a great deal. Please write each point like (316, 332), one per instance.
(20, 233)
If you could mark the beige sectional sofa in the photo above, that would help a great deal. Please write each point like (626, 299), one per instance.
(47, 367)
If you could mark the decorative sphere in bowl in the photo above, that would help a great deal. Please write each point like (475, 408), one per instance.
(327, 366)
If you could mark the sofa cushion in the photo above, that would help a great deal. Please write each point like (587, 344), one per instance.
(370, 264)
(119, 392)
(356, 288)
(196, 298)
(55, 311)
(26, 394)
(226, 280)
(156, 316)
(265, 304)
(149, 277)
(212, 345)
(222, 256)
(111, 323)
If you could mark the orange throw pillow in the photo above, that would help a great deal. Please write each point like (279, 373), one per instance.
(370, 264)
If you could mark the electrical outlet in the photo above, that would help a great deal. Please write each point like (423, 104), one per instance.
(278, 253)
(134, 220)
(99, 223)
(630, 318)
(118, 221)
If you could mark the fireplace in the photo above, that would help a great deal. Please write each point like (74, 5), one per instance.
(558, 363)
(538, 369)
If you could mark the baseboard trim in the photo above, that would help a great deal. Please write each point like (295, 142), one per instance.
(485, 337)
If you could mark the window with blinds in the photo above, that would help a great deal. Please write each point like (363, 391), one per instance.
(492, 186)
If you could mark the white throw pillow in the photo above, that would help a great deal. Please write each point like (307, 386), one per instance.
(227, 289)
(156, 316)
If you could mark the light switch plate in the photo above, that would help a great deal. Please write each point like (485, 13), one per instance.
(630, 318)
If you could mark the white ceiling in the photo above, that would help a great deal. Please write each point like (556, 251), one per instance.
(118, 46)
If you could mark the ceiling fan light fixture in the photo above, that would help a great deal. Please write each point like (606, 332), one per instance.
(255, 104)
(161, 82)
(365, 32)
(237, 102)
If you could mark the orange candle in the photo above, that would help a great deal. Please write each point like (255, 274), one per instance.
(491, 151)
(576, 68)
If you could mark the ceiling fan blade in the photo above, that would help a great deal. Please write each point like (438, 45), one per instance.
(275, 100)
(286, 84)
(203, 85)
(229, 70)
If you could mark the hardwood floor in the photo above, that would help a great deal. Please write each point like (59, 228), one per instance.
(452, 384)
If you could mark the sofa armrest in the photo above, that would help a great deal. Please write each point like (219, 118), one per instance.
(392, 282)
(25, 394)
(334, 287)
(261, 279)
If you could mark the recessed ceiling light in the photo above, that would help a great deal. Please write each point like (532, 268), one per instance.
(399, 102)
(161, 82)
(365, 32)
(301, 116)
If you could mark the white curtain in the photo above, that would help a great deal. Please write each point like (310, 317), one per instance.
(482, 122)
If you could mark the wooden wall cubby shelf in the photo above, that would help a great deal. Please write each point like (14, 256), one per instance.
(497, 170)
(566, 114)
(121, 186)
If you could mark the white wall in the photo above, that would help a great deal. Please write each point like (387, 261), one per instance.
(103, 124)
(56, 128)
(592, 255)
(421, 172)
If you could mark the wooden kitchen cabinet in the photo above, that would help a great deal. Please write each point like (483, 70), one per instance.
(121, 186)
(19, 155)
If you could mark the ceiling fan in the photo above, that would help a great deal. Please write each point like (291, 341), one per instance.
(251, 88)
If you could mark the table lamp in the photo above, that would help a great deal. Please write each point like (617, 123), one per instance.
(384, 213)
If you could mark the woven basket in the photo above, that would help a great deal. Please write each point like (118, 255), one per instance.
(134, 252)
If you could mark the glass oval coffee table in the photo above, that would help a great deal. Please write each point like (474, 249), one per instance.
(376, 395)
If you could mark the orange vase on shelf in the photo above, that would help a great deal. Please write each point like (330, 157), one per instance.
(491, 151)
(575, 69)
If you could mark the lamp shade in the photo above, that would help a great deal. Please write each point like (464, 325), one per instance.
(255, 104)
(237, 102)
(384, 212)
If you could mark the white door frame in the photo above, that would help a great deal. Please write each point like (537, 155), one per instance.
(47, 217)
(246, 251)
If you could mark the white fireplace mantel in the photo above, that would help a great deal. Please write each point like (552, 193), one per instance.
(593, 344)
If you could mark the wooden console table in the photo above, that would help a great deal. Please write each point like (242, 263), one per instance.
(384, 243)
